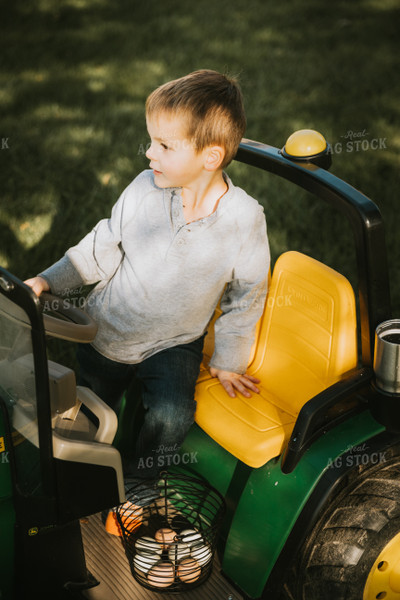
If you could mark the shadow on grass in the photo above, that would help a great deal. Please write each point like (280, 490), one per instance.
(75, 78)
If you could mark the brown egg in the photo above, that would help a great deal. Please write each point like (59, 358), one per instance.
(161, 575)
(165, 537)
(189, 570)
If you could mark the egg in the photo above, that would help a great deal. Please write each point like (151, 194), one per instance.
(165, 537)
(143, 562)
(177, 551)
(190, 536)
(147, 544)
(131, 516)
(202, 553)
(161, 575)
(189, 570)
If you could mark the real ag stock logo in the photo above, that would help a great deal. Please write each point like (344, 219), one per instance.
(358, 141)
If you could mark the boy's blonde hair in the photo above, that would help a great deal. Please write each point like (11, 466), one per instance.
(212, 104)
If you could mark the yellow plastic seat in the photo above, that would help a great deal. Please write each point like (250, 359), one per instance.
(306, 340)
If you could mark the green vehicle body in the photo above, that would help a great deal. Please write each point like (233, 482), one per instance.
(271, 509)
(271, 501)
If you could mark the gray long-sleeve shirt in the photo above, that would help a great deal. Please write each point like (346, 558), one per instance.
(159, 279)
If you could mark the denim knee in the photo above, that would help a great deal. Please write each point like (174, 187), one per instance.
(173, 416)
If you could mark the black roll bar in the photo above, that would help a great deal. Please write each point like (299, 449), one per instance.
(366, 222)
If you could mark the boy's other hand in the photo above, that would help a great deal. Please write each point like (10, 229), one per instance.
(38, 284)
(235, 381)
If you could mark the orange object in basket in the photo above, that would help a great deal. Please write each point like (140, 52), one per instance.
(131, 517)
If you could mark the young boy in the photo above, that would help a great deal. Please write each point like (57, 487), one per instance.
(179, 237)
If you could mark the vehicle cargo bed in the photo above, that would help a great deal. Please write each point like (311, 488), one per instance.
(106, 561)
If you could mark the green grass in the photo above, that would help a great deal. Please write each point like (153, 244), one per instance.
(75, 76)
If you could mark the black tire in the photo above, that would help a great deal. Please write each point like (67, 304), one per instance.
(337, 558)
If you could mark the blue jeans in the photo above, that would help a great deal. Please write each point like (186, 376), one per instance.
(166, 382)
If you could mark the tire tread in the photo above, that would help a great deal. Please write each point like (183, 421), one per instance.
(336, 558)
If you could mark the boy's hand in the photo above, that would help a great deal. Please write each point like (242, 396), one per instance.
(38, 284)
(234, 381)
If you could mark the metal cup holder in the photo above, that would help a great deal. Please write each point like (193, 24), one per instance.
(387, 356)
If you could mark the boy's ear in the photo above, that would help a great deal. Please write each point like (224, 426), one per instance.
(214, 157)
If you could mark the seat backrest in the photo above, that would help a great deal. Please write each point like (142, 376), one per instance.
(307, 336)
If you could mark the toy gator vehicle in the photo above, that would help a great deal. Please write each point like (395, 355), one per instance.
(309, 468)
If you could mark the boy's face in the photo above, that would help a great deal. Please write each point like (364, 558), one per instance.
(172, 156)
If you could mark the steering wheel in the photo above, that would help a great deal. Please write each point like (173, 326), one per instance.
(66, 321)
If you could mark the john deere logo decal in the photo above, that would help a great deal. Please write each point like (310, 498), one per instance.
(33, 530)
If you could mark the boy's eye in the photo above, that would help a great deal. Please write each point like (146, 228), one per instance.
(164, 146)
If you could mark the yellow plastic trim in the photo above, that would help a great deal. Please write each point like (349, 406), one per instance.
(304, 143)
(384, 578)
(306, 340)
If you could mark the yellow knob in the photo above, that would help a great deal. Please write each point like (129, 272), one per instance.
(305, 143)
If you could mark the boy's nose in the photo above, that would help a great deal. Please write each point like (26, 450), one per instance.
(150, 152)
